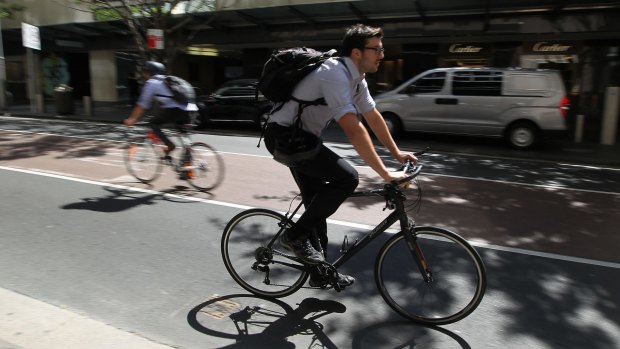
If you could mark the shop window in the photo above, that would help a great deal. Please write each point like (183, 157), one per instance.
(429, 83)
(477, 83)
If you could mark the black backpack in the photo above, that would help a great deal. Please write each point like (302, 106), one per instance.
(182, 91)
(285, 69)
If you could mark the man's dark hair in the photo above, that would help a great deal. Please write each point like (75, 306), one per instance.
(356, 36)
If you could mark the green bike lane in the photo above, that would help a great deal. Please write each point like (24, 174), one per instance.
(532, 299)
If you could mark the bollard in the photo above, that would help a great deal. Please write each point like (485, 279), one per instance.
(40, 104)
(88, 106)
(579, 128)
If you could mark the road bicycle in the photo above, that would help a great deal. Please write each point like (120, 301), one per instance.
(427, 274)
(198, 163)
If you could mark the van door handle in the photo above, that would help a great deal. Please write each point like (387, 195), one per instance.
(451, 101)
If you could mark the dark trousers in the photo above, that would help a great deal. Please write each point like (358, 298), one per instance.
(324, 182)
(175, 116)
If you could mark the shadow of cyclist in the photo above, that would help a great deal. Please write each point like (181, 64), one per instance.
(275, 326)
(120, 199)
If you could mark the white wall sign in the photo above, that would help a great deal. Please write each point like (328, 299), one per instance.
(30, 36)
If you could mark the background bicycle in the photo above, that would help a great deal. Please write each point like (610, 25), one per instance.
(426, 274)
(196, 162)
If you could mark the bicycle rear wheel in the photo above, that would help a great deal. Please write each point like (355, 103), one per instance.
(207, 167)
(251, 260)
(142, 160)
(451, 288)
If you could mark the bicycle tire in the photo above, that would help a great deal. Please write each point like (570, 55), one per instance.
(142, 160)
(244, 240)
(207, 167)
(458, 277)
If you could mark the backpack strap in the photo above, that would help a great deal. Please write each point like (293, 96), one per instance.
(301, 105)
(164, 80)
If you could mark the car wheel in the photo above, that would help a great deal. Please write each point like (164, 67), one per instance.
(523, 135)
(393, 123)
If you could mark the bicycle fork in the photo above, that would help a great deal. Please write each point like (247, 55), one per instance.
(416, 252)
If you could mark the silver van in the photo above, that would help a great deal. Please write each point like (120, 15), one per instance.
(521, 105)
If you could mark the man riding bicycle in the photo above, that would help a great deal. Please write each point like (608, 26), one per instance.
(170, 111)
(327, 180)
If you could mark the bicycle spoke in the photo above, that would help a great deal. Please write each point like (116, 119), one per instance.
(253, 264)
(142, 160)
(207, 167)
(453, 292)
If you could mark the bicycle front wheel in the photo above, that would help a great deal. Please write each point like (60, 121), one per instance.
(250, 257)
(142, 160)
(445, 288)
(207, 167)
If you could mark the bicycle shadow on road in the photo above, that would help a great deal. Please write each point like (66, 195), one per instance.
(120, 199)
(405, 334)
(257, 322)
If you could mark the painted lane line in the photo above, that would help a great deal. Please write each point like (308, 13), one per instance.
(330, 221)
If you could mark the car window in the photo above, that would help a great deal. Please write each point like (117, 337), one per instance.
(429, 83)
(477, 83)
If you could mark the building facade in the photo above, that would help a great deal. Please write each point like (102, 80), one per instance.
(579, 38)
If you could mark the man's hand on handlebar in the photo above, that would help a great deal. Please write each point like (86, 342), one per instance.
(404, 157)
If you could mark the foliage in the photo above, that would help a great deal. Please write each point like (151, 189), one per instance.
(8, 9)
(140, 15)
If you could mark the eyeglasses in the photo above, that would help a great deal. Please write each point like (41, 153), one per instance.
(377, 50)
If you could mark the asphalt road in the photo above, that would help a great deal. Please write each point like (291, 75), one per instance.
(81, 235)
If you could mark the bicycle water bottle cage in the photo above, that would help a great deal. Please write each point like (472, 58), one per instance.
(345, 244)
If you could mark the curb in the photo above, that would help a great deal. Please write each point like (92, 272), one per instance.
(26, 323)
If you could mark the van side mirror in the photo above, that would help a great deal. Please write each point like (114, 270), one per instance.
(410, 90)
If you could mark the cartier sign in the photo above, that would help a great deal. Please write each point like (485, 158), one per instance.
(465, 49)
(552, 47)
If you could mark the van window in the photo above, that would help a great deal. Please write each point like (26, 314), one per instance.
(526, 84)
(429, 83)
(477, 83)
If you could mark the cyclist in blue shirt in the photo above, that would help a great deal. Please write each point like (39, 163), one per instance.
(170, 111)
(326, 181)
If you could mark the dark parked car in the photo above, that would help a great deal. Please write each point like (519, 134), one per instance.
(234, 101)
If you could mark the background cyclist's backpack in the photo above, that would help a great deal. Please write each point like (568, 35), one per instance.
(182, 91)
(285, 69)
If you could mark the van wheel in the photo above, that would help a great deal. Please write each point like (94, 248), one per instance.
(523, 135)
(393, 123)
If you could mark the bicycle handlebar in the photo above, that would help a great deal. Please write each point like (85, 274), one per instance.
(411, 169)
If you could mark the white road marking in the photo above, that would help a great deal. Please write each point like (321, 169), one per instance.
(330, 221)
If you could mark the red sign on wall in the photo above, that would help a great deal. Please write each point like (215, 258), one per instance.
(155, 39)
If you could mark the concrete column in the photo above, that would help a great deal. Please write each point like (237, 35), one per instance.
(102, 65)
(610, 115)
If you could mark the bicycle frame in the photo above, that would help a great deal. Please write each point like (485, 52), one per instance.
(407, 225)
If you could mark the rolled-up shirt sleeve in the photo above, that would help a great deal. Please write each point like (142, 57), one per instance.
(363, 100)
(146, 97)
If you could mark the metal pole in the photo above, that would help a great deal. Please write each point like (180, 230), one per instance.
(3, 105)
(32, 93)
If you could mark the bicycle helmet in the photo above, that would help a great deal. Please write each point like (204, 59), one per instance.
(154, 68)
